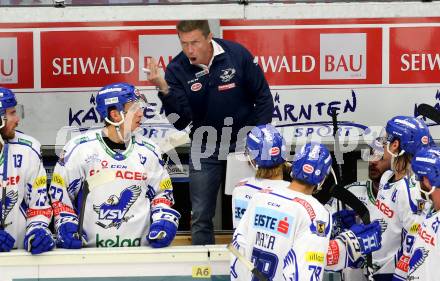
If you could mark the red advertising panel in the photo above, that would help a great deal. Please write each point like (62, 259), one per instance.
(414, 55)
(98, 57)
(315, 56)
(16, 60)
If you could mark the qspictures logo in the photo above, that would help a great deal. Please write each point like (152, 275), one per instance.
(8, 60)
(343, 56)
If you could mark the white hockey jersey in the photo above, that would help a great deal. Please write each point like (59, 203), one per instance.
(400, 209)
(425, 258)
(244, 191)
(27, 203)
(285, 234)
(117, 213)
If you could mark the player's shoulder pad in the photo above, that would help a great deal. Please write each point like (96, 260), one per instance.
(243, 181)
(80, 139)
(26, 140)
(71, 146)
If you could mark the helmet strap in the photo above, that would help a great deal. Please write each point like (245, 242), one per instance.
(3, 120)
(252, 162)
(426, 193)
(319, 186)
(394, 154)
(117, 126)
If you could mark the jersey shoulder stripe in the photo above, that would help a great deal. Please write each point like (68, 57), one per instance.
(74, 143)
(150, 145)
(412, 205)
(28, 141)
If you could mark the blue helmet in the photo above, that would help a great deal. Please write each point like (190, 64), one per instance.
(426, 162)
(312, 164)
(412, 133)
(114, 95)
(7, 100)
(266, 146)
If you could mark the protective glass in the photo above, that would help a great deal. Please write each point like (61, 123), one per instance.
(376, 151)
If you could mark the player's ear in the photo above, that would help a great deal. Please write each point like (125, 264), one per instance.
(394, 146)
(115, 115)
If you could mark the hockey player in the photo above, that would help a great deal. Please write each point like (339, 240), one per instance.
(399, 205)
(135, 208)
(366, 191)
(424, 262)
(25, 212)
(285, 233)
(266, 149)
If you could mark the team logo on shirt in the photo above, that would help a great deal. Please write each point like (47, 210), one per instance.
(417, 259)
(93, 158)
(227, 74)
(10, 201)
(420, 206)
(115, 208)
(142, 159)
(320, 228)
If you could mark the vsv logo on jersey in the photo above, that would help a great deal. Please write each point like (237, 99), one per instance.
(116, 208)
(384, 208)
(142, 159)
(273, 221)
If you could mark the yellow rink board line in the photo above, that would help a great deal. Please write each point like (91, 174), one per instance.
(185, 240)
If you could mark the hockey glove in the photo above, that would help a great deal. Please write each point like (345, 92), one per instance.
(369, 236)
(6, 241)
(38, 240)
(164, 228)
(361, 240)
(345, 219)
(67, 236)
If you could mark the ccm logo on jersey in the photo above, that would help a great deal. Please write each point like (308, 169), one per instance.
(272, 221)
(384, 209)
